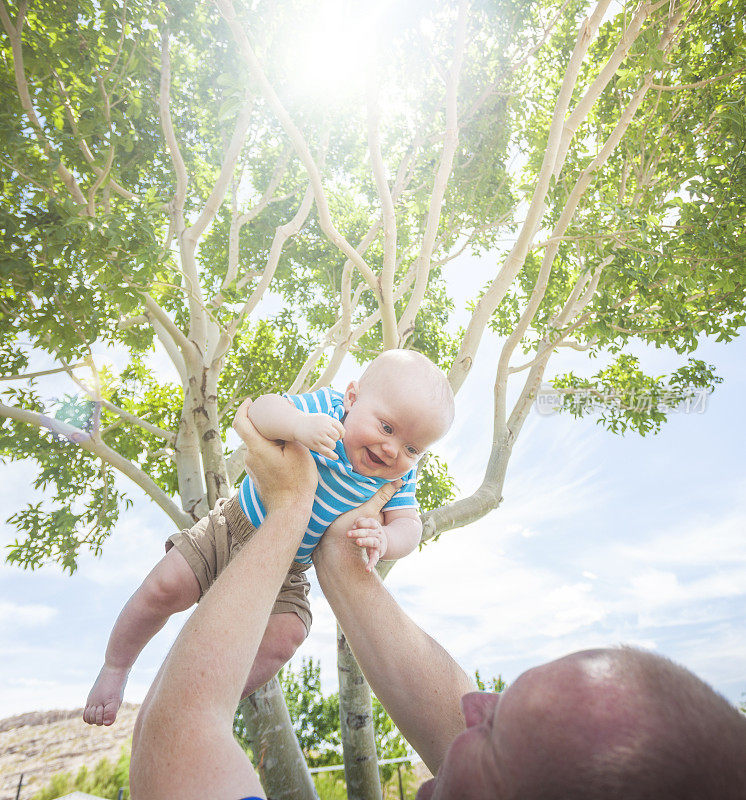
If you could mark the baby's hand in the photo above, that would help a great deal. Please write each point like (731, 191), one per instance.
(241, 422)
(319, 432)
(370, 534)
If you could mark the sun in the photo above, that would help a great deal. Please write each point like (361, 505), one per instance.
(330, 57)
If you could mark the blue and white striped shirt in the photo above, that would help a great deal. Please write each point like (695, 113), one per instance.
(340, 488)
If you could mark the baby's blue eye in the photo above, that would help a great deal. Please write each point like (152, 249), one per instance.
(387, 428)
(412, 451)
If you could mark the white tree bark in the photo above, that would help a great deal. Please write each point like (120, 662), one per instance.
(277, 756)
(356, 724)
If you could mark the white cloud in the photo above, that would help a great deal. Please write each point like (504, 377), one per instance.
(133, 549)
(20, 696)
(706, 540)
(13, 615)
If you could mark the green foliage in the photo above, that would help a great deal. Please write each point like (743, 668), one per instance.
(104, 780)
(493, 684)
(389, 742)
(666, 210)
(435, 487)
(85, 496)
(627, 399)
(315, 718)
(330, 785)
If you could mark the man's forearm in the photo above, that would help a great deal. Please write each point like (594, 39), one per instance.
(415, 679)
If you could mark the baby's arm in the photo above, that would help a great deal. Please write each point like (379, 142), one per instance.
(397, 537)
(275, 417)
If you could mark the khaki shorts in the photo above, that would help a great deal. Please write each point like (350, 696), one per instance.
(212, 542)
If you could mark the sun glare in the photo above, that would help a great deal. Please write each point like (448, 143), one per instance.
(331, 56)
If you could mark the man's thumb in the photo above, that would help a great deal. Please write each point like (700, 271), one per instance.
(382, 496)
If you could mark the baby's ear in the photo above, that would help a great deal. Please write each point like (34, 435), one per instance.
(351, 395)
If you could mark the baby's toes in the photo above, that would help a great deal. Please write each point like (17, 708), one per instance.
(109, 713)
(89, 715)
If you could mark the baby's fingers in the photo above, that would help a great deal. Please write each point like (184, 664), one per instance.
(363, 533)
(373, 557)
(366, 522)
(368, 541)
(324, 450)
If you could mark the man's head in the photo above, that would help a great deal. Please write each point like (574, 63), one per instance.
(401, 405)
(597, 725)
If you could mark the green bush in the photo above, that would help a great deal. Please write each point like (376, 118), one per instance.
(104, 781)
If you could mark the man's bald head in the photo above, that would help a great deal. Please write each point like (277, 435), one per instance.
(619, 723)
(613, 724)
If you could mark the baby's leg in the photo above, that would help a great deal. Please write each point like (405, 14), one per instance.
(171, 586)
(285, 633)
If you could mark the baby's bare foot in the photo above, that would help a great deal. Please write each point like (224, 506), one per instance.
(105, 696)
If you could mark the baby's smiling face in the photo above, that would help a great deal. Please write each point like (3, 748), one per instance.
(389, 427)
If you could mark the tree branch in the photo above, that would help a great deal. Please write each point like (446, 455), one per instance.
(582, 109)
(158, 313)
(237, 222)
(515, 65)
(14, 33)
(30, 375)
(517, 256)
(47, 189)
(282, 234)
(227, 168)
(168, 127)
(83, 145)
(141, 423)
(565, 218)
(105, 453)
(388, 314)
(697, 84)
(445, 167)
(301, 148)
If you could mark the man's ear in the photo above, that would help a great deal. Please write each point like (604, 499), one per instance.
(351, 395)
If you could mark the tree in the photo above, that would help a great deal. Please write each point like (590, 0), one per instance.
(166, 166)
(316, 721)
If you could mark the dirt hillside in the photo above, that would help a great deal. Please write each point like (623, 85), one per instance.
(43, 743)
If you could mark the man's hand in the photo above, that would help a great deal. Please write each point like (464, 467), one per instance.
(334, 548)
(284, 473)
(319, 432)
(368, 532)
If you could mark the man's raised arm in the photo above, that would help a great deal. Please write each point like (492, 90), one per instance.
(416, 680)
(183, 744)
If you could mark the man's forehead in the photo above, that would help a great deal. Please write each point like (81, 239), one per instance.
(579, 669)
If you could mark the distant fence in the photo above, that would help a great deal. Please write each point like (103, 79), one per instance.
(411, 759)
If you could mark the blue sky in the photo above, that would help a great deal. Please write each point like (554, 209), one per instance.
(601, 539)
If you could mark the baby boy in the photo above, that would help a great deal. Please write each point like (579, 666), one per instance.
(374, 433)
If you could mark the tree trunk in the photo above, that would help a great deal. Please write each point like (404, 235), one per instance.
(203, 389)
(189, 464)
(277, 755)
(356, 723)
